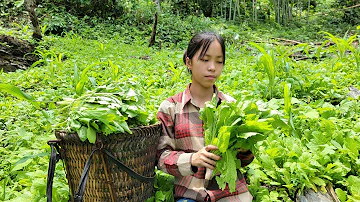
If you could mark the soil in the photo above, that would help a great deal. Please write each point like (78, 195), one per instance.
(15, 54)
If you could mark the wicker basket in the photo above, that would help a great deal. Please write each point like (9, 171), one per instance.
(106, 182)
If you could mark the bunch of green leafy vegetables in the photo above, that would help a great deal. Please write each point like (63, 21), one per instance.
(113, 108)
(233, 127)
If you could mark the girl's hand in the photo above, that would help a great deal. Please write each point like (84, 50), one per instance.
(204, 158)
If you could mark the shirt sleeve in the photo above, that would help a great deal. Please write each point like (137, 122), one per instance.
(245, 157)
(171, 160)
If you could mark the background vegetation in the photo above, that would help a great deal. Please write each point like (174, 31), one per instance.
(309, 46)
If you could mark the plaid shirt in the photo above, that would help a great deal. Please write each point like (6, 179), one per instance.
(182, 136)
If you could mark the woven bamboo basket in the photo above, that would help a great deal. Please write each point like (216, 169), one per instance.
(107, 182)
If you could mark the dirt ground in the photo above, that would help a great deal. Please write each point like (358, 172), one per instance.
(15, 54)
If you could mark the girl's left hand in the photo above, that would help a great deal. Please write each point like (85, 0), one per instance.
(204, 158)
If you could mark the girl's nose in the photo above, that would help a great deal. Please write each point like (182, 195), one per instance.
(211, 66)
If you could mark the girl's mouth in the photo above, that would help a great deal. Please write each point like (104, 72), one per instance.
(210, 77)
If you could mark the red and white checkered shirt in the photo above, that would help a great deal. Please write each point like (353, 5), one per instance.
(182, 136)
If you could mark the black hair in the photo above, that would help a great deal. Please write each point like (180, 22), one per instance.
(203, 40)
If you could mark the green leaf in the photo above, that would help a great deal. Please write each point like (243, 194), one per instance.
(76, 75)
(274, 195)
(95, 126)
(80, 86)
(227, 167)
(84, 120)
(353, 147)
(342, 195)
(223, 116)
(15, 91)
(19, 166)
(91, 134)
(328, 150)
(82, 133)
(125, 126)
(24, 161)
(354, 185)
(253, 126)
(287, 98)
(223, 139)
(75, 124)
(207, 114)
(160, 196)
(313, 114)
(318, 181)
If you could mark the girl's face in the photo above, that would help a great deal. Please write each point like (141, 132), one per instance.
(205, 71)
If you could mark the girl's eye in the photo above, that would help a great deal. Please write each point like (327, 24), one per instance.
(204, 60)
(220, 62)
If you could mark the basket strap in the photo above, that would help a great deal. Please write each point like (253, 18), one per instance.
(129, 170)
(78, 197)
(54, 158)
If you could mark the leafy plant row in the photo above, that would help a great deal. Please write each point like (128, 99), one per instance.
(311, 96)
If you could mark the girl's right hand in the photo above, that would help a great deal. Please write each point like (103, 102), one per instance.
(204, 158)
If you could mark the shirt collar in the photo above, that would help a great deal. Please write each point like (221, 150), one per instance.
(187, 95)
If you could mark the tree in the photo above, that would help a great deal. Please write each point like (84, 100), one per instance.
(350, 10)
(30, 7)
(157, 2)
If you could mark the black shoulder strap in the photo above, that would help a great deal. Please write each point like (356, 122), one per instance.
(129, 170)
(54, 157)
(78, 197)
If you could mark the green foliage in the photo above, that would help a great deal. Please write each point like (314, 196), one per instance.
(276, 63)
(349, 15)
(96, 51)
(321, 155)
(233, 127)
(13, 90)
(164, 188)
(101, 8)
(109, 109)
(343, 45)
(11, 8)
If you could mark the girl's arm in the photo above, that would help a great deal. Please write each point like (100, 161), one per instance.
(246, 157)
(170, 159)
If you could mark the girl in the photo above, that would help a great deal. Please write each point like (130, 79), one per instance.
(181, 150)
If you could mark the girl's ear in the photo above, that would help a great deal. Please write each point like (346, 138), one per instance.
(188, 63)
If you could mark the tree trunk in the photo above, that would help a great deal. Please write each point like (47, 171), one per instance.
(30, 7)
(256, 17)
(300, 8)
(254, 10)
(158, 6)
(244, 7)
(290, 13)
(235, 10)
(221, 10)
(230, 10)
(238, 7)
(283, 20)
(277, 10)
(308, 14)
(153, 33)
(286, 12)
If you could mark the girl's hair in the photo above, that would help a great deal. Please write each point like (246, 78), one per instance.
(203, 40)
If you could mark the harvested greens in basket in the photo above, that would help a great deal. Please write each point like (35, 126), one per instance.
(232, 126)
(107, 109)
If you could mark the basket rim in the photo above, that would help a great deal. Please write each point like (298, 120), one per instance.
(72, 136)
(133, 128)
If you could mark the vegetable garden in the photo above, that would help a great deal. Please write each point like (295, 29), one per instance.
(309, 89)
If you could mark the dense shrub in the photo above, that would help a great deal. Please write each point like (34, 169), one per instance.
(349, 15)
